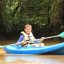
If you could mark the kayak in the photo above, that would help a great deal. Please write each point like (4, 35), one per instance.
(18, 49)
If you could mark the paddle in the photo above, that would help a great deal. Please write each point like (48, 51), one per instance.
(60, 35)
(43, 38)
(3, 46)
(40, 40)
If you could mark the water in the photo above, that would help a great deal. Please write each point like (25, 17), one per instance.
(32, 59)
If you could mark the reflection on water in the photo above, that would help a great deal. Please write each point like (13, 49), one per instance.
(32, 59)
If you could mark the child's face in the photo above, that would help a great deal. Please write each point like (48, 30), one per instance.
(28, 30)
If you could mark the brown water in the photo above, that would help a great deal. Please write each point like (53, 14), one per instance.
(30, 59)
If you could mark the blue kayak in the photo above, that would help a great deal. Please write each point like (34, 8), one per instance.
(18, 49)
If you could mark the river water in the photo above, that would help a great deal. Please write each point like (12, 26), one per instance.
(31, 59)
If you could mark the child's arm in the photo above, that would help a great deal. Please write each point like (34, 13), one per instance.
(39, 40)
(20, 39)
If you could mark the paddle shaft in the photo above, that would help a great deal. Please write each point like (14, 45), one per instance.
(40, 40)
(43, 38)
(51, 37)
(60, 35)
(6, 45)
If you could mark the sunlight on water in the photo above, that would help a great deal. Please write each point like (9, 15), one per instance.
(46, 59)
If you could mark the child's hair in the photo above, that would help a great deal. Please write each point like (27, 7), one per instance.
(27, 25)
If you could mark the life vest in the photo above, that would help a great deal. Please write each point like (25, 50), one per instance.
(29, 37)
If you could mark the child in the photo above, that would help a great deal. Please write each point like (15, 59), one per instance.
(27, 37)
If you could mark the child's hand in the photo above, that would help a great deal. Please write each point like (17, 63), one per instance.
(42, 38)
(24, 43)
(18, 43)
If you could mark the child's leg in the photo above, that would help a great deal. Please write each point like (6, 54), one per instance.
(35, 45)
(38, 45)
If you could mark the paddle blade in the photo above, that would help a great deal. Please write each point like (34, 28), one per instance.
(2, 46)
(61, 35)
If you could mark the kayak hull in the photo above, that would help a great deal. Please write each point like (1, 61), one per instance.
(54, 49)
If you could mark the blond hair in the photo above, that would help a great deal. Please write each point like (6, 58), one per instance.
(27, 25)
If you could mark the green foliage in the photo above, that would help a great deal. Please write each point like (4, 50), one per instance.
(11, 15)
(55, 16)
(45, 15)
